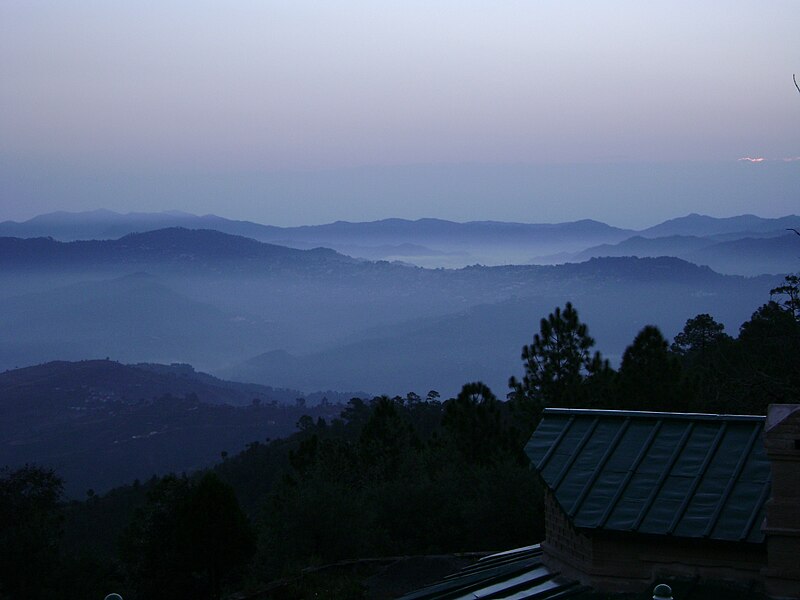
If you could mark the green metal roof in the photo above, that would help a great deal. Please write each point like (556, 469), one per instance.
(687, 475)
(516, 574)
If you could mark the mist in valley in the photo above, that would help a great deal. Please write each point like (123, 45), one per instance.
(319, 319)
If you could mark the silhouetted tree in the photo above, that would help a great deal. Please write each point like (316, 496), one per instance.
(556, 365)
(151, 548)
(216, 535)
(649, 376)
(705, 352)
(386, 438)
(698, 336)
(768, 365)
(790, 289)
(476, 423)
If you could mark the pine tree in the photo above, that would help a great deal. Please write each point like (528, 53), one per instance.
(557, 364)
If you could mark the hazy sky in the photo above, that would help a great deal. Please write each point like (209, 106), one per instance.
(300, 112)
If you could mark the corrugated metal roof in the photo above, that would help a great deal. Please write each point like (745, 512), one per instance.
(516, 574)
(688, 475)
(519, 574)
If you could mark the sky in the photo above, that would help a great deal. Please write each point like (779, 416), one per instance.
(294, 112)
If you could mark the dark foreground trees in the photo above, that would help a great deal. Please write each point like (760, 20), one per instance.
(397, 476)
(650, 376)
(186, 540)
(385, 481)
(704, 370)
(30, 532)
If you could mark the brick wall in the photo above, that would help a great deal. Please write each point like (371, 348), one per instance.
(782, 442)
(563, 543)
(619, 561)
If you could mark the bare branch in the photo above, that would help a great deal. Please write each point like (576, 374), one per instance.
(794, 78)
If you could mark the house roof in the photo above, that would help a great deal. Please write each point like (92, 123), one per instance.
(515, 574)
(687, 475)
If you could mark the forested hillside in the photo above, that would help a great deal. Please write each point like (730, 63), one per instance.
(101, 424)
(402, 475)
(315, 320)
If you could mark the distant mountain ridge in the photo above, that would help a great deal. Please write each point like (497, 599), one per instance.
(641, 246)
(175, 244)
(204, 248)
(216, 301)
(450, 244)
(778, 253)
(703, 225)
(314, 319)
(64, 383)
(431, 242)
(107, 380)
(615, 297)
(105, 224)
(100, 423)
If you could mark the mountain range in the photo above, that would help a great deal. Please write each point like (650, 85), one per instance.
(775, 252)
(439, 243)
(265, 324)
(317, 319)
(704, 225)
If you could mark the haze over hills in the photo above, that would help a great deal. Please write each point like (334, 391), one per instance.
(280, 319)
(104, 224)
(751, 256)
(315, 319)
(703, 225)
(134, 318)
(431, 242)
(776, 252)
(171, 247)
(616, 298)
(425, 242)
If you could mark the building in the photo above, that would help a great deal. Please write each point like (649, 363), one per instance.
(632, 498)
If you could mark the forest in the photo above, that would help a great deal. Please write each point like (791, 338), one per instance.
(390, 476)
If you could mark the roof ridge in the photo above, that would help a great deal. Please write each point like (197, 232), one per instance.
(596, 412)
